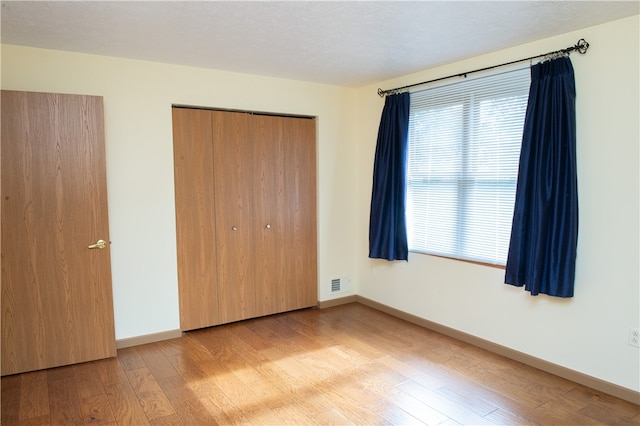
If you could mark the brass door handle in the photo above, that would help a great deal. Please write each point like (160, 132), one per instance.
(98, 245)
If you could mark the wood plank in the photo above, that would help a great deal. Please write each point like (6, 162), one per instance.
(130, 358)
(111, 372)
(416, 408)
(460, 413)
(97, 410)
(470, 401)
(173, 419)
(125, 405)
(582, 396)
(393, 414)
(152, 398)
(191, 407)
(34, 395)
(64, 404)
(158, 364)
(88, 381)
(10, 395)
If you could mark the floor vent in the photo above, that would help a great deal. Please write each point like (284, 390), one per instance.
(335, 285)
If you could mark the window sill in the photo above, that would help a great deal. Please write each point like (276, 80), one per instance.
(475, 262)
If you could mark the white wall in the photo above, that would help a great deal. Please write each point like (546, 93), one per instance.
(137, 101)
(587, 333)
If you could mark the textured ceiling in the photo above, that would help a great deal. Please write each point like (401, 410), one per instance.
(349, 43)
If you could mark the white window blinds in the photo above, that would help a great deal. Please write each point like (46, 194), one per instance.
(464, 147)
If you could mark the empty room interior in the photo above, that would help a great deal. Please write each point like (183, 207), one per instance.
(301, 212)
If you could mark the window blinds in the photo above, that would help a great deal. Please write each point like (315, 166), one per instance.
(464, 147)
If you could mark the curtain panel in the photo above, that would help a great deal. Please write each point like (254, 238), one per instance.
(387, 221)
(544, 234)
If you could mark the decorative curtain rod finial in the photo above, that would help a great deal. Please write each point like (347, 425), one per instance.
(582, 46)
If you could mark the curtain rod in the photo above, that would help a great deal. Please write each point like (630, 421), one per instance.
(581, 47)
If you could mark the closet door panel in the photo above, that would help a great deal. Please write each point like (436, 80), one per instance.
(234, 176)
(196, 236)
(299, 207)
(267, 136)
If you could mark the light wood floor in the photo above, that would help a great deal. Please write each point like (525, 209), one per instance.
(344, 365)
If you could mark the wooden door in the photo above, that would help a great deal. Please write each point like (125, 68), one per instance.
(57, 305)
(246, 215)
(266, 213)
(285, 191)
(236, 221)
(266, 138)
(298, 212)
(195, 218)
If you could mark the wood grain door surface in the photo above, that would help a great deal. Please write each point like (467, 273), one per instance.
(261, 190)
(57, 305)
(284, 161)
(298, 205)
(195, 218)
(266, 133)
(265, 187)
(234, 191)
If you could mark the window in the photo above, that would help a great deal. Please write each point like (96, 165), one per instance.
(464, 148)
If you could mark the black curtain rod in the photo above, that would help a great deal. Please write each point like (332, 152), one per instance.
(581, 47)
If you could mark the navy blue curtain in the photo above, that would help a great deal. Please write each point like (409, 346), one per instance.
(387, 222)
(544, 234)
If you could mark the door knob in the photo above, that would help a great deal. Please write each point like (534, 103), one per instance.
(268, 226)
(234, 228)
(100, 244)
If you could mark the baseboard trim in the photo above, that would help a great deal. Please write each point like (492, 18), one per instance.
(540, 364)
(147, 338)
(337, 302)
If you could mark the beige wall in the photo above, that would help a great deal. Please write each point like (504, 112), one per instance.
(589, 332)
(137, 101)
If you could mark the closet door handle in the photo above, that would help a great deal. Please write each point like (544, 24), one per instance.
(268, 226)
(234, 228)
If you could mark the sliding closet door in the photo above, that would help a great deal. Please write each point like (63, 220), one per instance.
(235, 215)
(267, 136)
(284, 149)
(246, 215)
(298, 211)
(195, 218)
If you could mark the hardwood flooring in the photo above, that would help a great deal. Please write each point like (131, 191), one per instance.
(348, 364)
